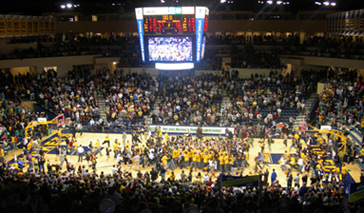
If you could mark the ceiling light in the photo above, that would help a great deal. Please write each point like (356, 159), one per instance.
(333, 4)
(279, 2)
(69, 5)
(222, 1)
(63, 6)
(269, 2)
(318, 3)
(326, 3)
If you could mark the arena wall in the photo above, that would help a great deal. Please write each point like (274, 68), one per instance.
(231, 26)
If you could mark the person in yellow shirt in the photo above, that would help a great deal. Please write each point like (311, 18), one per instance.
(164, 160)
(98, 148)
(194, 159)
(30, 145)
(172, 177)
(292, 163)
(176, 153)
(226, 162)
(222, 162)
(205, 157)
(2, 154)
(115, 149)
(59, 135)
(175, 117)
(75, 147)
(231, 162)
(190, 154)
(107, 140)
(186, 158)
(198, 160)
(13, 142)
(344, 170)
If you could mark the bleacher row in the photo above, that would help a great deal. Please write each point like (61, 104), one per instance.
(356, 135)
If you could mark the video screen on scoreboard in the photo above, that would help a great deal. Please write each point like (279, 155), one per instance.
(170, 49)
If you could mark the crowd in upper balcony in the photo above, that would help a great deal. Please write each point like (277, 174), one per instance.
(243, 50)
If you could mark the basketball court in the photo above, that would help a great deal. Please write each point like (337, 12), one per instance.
(103, 164)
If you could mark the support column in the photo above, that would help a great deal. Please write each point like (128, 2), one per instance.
(302, 37)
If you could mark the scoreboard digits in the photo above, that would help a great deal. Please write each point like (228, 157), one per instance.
(169, 24)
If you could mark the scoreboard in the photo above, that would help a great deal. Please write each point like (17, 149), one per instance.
(172, 34)
(169, 24)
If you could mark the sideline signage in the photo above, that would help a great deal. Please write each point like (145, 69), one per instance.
(191, 129)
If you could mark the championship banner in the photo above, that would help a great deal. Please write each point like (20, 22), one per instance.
(46, 26)
(23, 26)
(35, 23)
(228, 180)
(337, 23)
(29, 26)
(192, 129)
(351, 22)
(356, 192)
(347, 23)
(2, 26)
(342, 23)
(8, 26)
(41, 26)
(361, 23)
(16, 26)
(356, 22)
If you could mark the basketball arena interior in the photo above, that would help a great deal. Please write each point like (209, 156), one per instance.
(182, 106)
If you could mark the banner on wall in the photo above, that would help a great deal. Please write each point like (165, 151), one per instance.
(41, 26)
(361, 22)
(342, 25)
(338, 23)
(29, 20)
(356, 192)
(192, 129)
(8, 26)
(23, 26)
(16, 26)
(347, 23)
(356, 22)
(351, 22)
(35, 23)
(46, 26)
(229, 180)
(2, 26)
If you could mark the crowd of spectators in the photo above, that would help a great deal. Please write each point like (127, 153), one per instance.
(339, 103)
(184, 100)
(130, 97)
(189, 100)
(241, 49)
(340, 107)
(84, 192)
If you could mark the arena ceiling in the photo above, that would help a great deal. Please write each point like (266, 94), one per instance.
(37, 7)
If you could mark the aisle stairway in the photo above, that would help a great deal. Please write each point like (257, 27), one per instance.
(309, 108)
(100, 100)
(225, 104)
